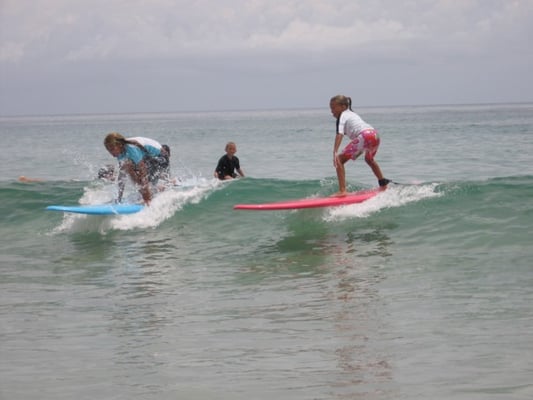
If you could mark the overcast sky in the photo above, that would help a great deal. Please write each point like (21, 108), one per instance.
(114, 56)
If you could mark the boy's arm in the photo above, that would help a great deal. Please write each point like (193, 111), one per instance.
(121, 183)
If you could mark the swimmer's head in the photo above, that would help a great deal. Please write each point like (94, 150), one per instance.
(107, 172)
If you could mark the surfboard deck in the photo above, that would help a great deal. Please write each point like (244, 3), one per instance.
(350, 198)
(99, 209)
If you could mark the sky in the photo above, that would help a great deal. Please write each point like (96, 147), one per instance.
(122, 56)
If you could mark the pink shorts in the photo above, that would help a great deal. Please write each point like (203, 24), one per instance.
(367, 142)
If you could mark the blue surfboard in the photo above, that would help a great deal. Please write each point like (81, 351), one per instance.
(100, 209)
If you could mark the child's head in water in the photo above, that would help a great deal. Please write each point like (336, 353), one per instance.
(107, 173)
(231, 148)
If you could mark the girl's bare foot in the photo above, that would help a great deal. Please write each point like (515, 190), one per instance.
(339, 194)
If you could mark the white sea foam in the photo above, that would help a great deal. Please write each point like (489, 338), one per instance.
(394, 196)
(163, 206)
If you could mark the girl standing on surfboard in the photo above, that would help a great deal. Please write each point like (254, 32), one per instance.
(363, 139)
(140, 158)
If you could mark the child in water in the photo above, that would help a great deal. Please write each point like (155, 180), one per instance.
(228, 163)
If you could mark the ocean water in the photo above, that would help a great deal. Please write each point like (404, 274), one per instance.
(423, 292)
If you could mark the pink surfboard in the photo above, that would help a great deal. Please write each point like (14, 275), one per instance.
(350, 198)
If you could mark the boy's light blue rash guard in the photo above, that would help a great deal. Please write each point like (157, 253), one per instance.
(135, 154)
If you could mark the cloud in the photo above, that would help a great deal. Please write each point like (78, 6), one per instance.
(245, 41)
(133, 29)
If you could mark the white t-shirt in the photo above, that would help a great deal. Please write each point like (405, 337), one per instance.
(143, 141)
(351, 124)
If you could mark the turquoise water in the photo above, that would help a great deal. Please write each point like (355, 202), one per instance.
(424, 291)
